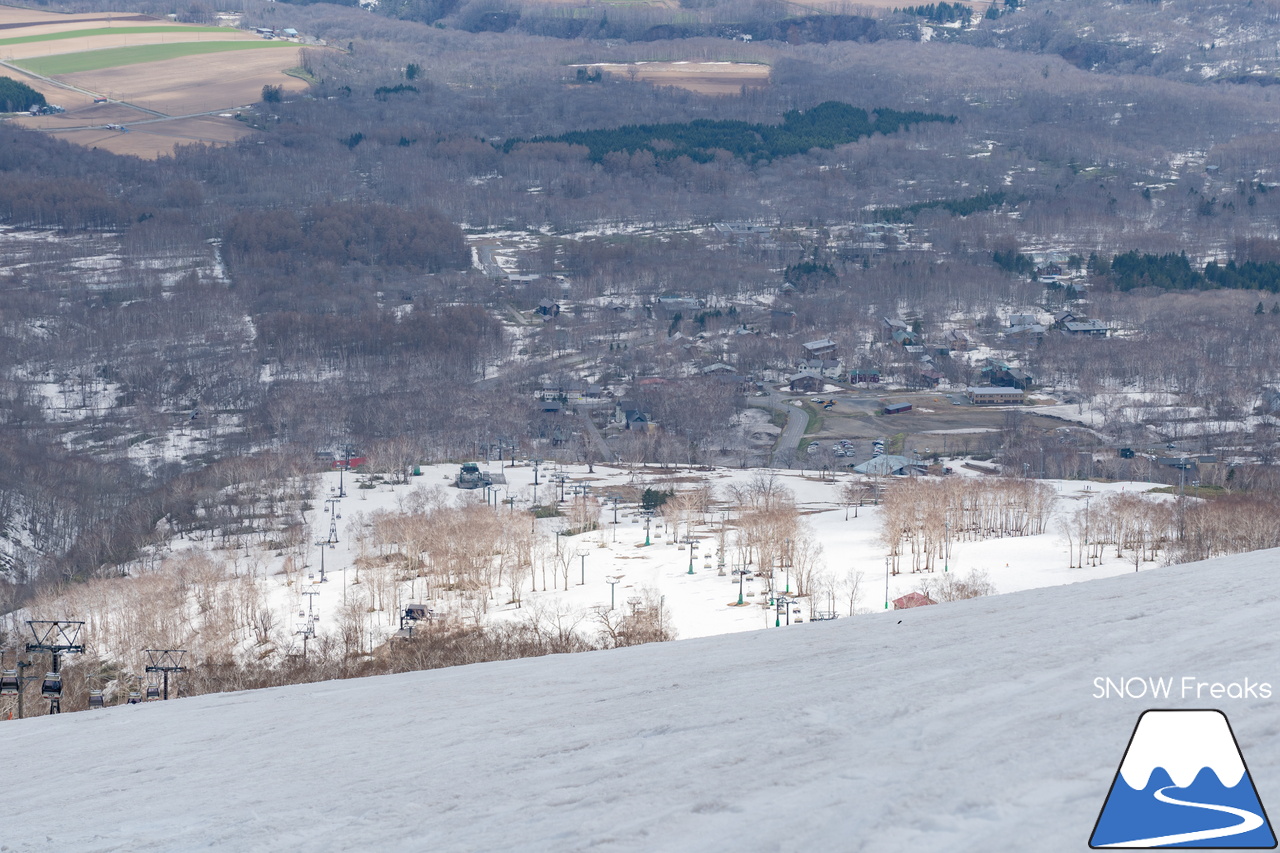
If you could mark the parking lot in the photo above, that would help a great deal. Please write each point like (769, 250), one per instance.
(938, 422)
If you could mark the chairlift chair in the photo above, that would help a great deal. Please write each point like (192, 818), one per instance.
(9, 682)
(96, 700)
(51, 687)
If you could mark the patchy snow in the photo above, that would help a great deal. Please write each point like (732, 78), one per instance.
(960, 727)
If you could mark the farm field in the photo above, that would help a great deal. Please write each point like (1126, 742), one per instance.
(706, 78)
(30, 21)
(158, 138)
(115, 57)
(106, 31)
(195, 84)
(148, 68)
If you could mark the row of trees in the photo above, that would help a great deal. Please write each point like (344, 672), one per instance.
(922, 516)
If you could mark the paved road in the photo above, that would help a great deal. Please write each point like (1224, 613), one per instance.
(785, 451)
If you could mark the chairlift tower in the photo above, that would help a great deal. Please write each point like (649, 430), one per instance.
(58, 638)
(342, 471)
(306, 630)
(166, 661)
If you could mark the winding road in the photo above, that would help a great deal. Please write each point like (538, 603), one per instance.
(784, 451)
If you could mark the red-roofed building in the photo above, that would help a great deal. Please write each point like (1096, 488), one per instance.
(912, 599)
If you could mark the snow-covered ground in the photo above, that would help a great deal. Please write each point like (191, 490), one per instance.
(700, 603)
(962, 727)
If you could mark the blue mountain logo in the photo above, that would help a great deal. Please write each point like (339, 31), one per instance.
(1183, 783)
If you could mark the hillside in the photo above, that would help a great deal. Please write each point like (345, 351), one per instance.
(969, 726)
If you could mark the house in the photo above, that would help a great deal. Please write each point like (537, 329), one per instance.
(1008, 377)
(548, 308)
(864, 374)
(806, 381)
(674, 303)
(290, 33)
(630, 416)
(896, 408)
(929, 378)
(1090, 328)
(904, 337)
(957, 340)
(892, 325)
(742, 230)
(718, 368)
(1031, 331)
(1023, 320)
(990, 396)
(821, 349)
(912, 599)
(828, 367)
(1062, 318)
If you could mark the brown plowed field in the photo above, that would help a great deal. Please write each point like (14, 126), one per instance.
(194, 84)
(28, 22)
(158, 139)
(707, 78)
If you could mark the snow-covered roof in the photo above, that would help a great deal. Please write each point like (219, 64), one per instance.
(884, 465)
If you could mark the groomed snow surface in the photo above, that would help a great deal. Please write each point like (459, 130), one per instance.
(962, 727)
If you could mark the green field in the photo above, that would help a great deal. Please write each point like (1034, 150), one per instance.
(113, 57)
(114, 31)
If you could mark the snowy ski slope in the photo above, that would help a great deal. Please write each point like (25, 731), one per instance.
(961, 727)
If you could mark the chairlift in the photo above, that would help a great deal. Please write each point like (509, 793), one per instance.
(51, 687)
(153, 691)
(96, 700)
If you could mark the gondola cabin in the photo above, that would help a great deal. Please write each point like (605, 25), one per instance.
(51, 687)
(153, 691)
(9, 683)
(96, 700)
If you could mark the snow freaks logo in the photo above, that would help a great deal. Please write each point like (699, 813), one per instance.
(1183, 783)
